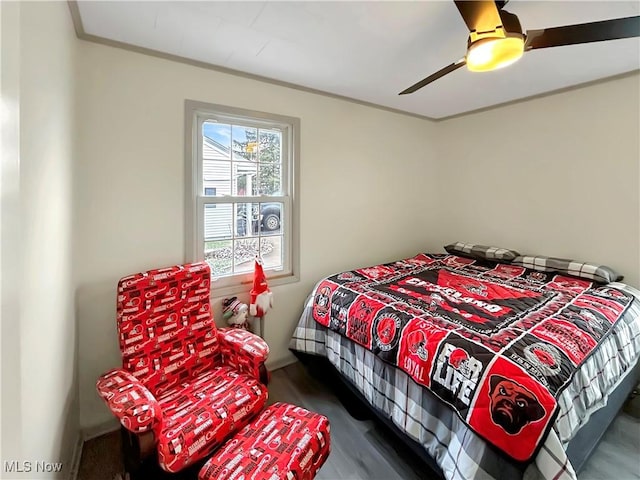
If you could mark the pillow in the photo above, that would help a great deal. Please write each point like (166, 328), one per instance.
(481, 252)
(589, 271)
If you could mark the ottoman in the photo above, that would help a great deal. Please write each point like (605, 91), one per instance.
(284, 442)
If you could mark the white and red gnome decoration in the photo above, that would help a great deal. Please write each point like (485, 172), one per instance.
(236, 313)
(261, 297)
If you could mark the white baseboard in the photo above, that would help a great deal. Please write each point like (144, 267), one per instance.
(281, 363)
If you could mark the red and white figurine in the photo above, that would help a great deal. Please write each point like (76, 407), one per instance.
(261, 296)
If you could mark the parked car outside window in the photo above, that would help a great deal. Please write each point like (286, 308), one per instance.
(269, 218)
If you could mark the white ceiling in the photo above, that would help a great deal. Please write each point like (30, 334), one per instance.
(368, 51)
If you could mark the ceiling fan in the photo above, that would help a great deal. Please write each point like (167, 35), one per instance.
(496, 38)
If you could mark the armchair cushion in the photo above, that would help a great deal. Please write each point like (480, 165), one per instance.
(242, 350)
(129, 400)
(165, 325)
(201, 413)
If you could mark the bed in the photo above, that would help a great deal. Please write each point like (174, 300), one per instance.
(492, 370)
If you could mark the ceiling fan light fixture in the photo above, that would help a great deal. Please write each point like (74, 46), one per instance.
(496, 39)
(492, 53)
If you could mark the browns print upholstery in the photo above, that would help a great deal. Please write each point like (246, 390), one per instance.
(173, 379)
(167, 332)
(285, 442)
(200, 415)
(129, 400)
(242, 350)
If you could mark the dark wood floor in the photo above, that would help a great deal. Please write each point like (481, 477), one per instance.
(360, 449)
(364, 449)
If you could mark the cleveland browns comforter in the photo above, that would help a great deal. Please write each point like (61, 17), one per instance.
(495, 342)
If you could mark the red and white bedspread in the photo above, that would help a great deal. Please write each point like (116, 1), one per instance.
(462, 354)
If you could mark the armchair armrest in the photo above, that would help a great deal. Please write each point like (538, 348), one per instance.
(129, 400)
(244, 351)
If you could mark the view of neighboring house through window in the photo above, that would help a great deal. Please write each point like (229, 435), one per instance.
(242, 174)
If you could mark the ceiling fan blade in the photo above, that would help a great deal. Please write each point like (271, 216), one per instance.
(583, 33)
(480, 16)
(434, 77)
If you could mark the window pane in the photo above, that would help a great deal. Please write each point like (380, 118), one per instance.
(245, 252)
(270, 179)
(270, 146)
(247, 219)
(270, 218)
(245, 143)
(272, 251)
(216, 140)
(247, 249)
(218, 255)
(218, 221)
(244, 179)
(216, 175)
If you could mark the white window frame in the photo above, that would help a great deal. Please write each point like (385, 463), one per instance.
(196, 113)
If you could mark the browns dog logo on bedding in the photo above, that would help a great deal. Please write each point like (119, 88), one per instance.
(512, 405)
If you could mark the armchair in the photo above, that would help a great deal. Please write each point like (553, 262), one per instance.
(184, 385)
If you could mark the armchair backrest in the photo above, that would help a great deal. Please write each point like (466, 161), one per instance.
(165, 325)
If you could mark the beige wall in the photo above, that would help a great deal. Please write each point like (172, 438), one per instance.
(367, 192)
(10, 257)
(554, 176)
(44, 425)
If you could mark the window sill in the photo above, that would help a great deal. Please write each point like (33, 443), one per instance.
(245, 286)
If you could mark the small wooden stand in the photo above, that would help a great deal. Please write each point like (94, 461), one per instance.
(265, 375)
(261, 326)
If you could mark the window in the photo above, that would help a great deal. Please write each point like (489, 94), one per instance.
(241, 181)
